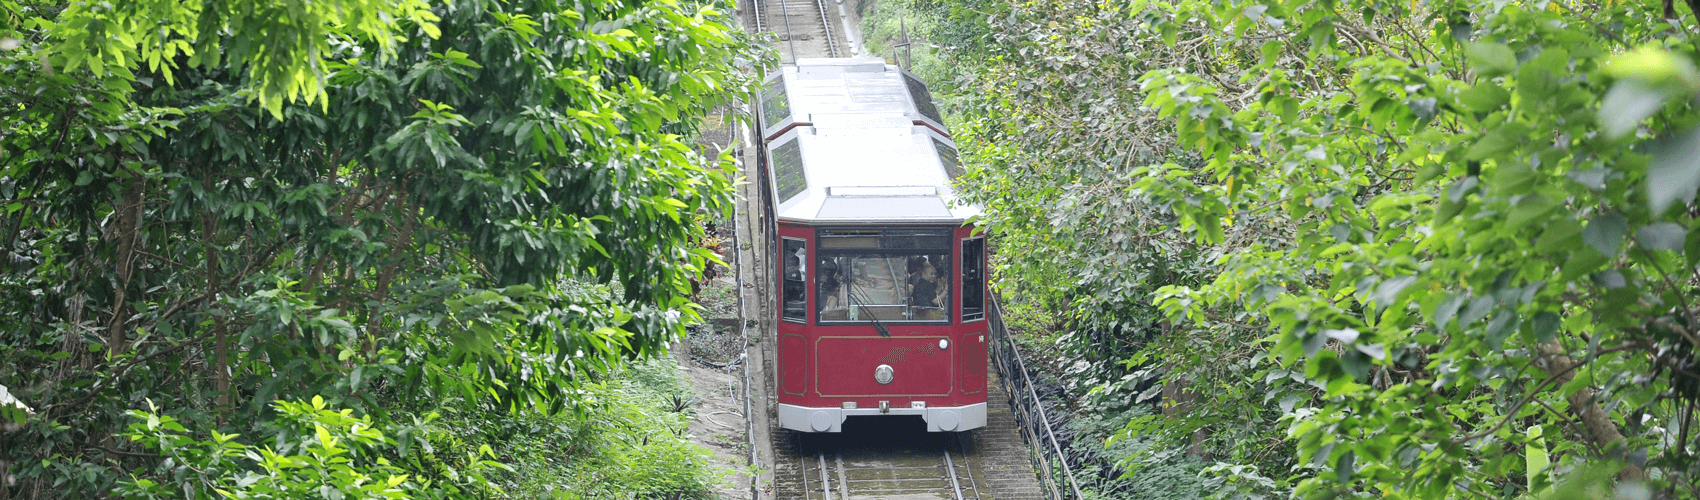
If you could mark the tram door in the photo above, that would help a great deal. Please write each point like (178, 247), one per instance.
(795, 361)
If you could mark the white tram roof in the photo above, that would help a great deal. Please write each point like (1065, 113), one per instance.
(847, 144)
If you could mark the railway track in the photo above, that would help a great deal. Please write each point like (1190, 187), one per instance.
(881, 461)
(804, 28)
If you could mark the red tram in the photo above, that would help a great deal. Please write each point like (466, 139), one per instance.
(881, 283)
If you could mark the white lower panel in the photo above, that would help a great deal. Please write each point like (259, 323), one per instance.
(939, 419)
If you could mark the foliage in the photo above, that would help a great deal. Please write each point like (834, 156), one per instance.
(1381, 244)
(654, 457)
(482, 202)
(628, 444)
(1157, 472)
(313, 451)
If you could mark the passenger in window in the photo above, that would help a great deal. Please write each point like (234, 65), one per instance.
(831, 283)
(924, 290)
(794, 267)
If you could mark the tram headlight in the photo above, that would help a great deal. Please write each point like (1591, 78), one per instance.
(944, 344)
(884, 374)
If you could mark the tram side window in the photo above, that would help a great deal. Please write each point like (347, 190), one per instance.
(973, 279)
(795, 254)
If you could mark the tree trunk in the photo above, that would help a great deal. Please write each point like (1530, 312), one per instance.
(127, 231)
(1179, 401)
(221, 348)
(1596, 423)
(386, 275)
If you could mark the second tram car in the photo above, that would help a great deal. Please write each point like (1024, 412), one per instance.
(882, 292)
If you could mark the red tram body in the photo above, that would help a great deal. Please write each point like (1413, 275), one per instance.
(882, 295)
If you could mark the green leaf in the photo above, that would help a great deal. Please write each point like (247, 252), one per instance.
(1604, 233)
(1491, 145)
(1448, 209)
(1562, 234)
(1423, 108)
(1356, 364)
(1674, 173)
(1662, 236)
(1544, 326)
(1485, 97)
(1314, 344)
(1388, 291)
(1447, 310)
(84, 178)
(1513, 178)
(1582, 262)
(1535, 456)
(1653, 65)
(1501, 327)
(1626, 104)
(1478, 308)
(1490, 59)
(1346, 466)
(1168, 32)
(1691, 248)
(1530, 209)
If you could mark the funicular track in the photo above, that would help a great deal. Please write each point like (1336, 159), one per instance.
(804, 27)
(914, 465)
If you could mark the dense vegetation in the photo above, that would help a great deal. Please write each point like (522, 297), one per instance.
(1435, 249)
(359, 248)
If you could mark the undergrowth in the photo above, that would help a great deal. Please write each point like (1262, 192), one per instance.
(627, 440)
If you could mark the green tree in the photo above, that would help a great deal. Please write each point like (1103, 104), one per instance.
(396, 206)
(1413, 250)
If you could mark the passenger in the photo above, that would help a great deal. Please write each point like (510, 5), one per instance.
(913, 272)
(830, 284)
(924, 287)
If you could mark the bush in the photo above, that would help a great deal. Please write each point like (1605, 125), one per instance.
(314, 451)
(627, 440)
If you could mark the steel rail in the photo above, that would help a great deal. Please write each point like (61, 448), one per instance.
(950, 470)
(843, 482)
(802, 465)
(790, 37)
(825, 482)
(756, 6)
(826, 24)
(969, 466)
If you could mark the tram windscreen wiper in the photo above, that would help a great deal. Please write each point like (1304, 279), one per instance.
(854, 293)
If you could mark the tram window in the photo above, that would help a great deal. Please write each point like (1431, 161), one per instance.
(947, 157)
(795, 255)
(916, 239)
(973, 279)
(923, 99)
(886, 287)
(775, 105)
(893, 275)
(788, 171)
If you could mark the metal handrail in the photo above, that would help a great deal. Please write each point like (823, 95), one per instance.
(744, 332)
(1024, 399)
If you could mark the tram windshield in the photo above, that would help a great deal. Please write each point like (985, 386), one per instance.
(890, 275)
